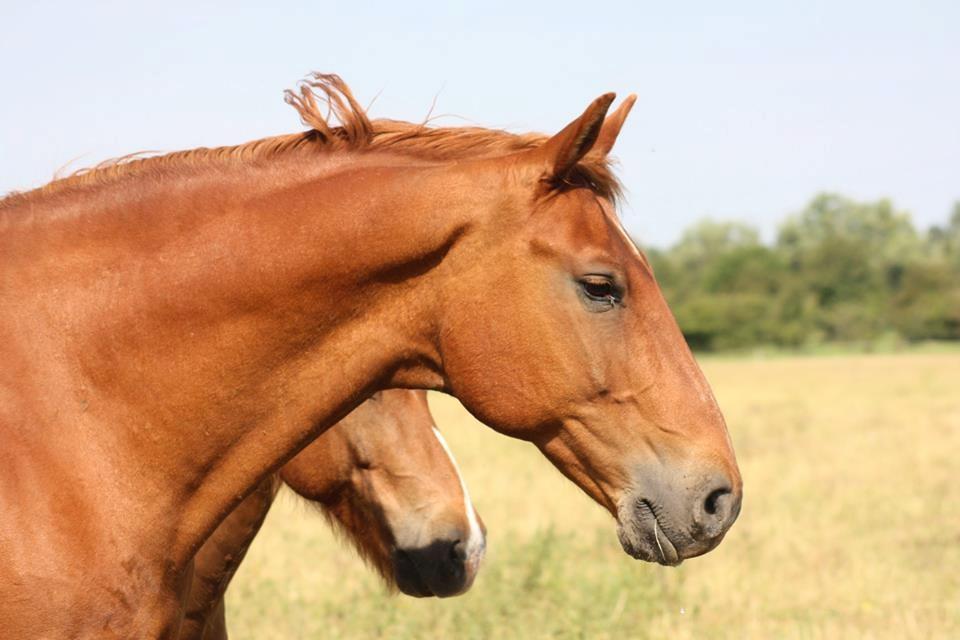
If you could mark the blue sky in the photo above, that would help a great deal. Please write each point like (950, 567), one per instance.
(746, 109)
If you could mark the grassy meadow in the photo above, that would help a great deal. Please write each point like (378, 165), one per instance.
(850, 527)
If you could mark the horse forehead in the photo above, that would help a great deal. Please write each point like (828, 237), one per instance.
(405, 403)
(610, 214)
(595, 224)
(406, 424)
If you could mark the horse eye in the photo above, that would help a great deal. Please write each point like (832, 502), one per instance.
(600, 289)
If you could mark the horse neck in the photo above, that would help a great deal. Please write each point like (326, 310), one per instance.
(216, 562)
(233, 314)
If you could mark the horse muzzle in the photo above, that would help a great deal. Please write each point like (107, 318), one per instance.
(668, 522)
(444, 568)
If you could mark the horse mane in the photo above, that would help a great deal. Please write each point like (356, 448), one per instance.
(351, 524)
(344, 127)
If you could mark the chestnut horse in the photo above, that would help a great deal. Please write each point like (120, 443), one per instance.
(384, 477)
(174, 329)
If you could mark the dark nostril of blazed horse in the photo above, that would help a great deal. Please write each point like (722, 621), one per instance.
(458, 551)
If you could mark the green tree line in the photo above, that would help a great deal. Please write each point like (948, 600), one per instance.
(838, 271)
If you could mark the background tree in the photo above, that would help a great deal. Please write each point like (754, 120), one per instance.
(839, 270)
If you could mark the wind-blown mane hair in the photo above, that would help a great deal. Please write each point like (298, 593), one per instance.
(360, 525)
(345, 127)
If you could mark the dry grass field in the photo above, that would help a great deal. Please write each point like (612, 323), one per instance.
(850, 528)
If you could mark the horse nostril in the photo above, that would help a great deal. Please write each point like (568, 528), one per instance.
(458, 551)
(712, 503)
(717, 511)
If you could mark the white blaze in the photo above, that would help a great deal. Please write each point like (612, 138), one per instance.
(475, 544)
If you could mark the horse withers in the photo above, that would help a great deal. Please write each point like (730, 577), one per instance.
(174, 329)
(383, 477)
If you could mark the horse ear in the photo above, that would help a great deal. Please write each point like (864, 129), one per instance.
(562, 152)
(612, 125)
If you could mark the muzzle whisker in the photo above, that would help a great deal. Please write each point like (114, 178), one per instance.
(656, 536)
